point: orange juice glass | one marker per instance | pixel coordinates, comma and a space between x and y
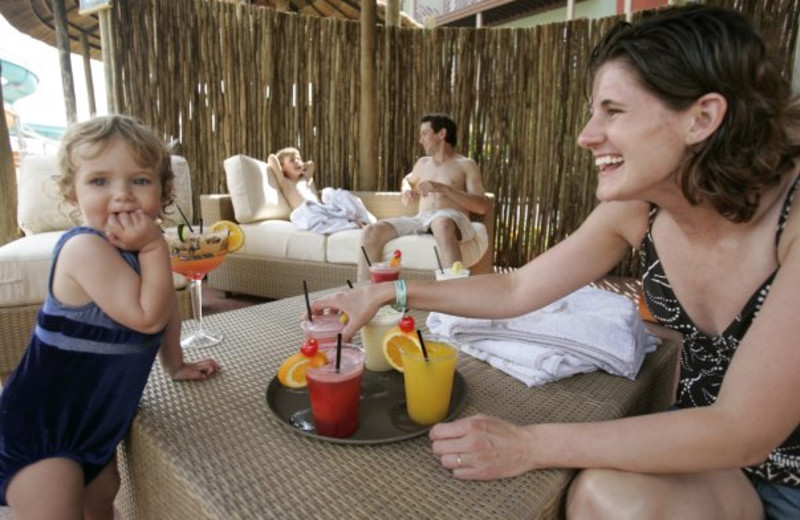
429, 383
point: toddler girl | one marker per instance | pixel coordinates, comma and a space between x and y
110, 307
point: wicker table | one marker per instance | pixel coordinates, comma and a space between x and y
213, 449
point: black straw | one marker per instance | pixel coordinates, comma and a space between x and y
184, 218
201, 227
308, 304
365, 256
350, 284
338, 351
422, 344
436, 252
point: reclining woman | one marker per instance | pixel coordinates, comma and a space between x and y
696, 138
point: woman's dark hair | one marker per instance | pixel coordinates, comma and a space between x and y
439, 121
681, 54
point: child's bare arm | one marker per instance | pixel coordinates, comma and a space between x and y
90, 269
171, 355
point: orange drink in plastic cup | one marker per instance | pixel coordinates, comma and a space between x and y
429, 383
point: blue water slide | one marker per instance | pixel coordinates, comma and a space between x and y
18, 81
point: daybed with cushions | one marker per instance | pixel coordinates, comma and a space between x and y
277, 257
24, 263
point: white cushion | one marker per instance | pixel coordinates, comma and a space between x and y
345, 248
40, 207
280, 239
25, 266
255, 193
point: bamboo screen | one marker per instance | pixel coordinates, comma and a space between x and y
228, 79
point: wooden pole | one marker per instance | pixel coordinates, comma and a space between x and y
393, 13
107, 45
62, 41
570, 10
87, 73
8, 180
368, 108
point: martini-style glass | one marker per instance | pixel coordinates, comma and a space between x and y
193, 255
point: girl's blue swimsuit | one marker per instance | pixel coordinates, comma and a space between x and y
77, 387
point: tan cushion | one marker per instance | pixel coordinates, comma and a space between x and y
255, 193
40, 207
344, 248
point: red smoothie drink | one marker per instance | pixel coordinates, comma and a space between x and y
336, 395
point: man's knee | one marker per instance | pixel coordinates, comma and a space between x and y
445, 228
376, 234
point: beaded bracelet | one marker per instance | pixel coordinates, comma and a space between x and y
400, 295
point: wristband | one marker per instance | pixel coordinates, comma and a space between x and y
400, 295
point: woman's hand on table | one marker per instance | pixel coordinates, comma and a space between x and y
483, 448
197, 370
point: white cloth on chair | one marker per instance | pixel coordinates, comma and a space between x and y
339, 210
586, 330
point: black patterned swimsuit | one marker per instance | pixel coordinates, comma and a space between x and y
705, 359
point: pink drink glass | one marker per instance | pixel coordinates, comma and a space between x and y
383, 272
324, 328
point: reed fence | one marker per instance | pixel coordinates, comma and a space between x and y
227, 79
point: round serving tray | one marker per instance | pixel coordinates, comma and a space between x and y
383, 416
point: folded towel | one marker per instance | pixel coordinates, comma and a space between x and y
586, 330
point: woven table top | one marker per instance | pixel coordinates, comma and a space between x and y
214, 450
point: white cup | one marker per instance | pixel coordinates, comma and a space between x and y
448, 274
372, 337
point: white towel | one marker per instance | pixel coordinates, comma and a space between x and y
586, 330
340, 210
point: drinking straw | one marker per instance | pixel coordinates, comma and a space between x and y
350, 284
201, 228
365, 256
436, 252
422, 344
338, 351
184, 218
308, 303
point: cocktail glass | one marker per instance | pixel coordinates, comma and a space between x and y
193, 255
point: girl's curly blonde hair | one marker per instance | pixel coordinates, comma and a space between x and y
148, 149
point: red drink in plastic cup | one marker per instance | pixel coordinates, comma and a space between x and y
336, 395
324, 328
383, 272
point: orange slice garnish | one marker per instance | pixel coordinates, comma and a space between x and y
292, 372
